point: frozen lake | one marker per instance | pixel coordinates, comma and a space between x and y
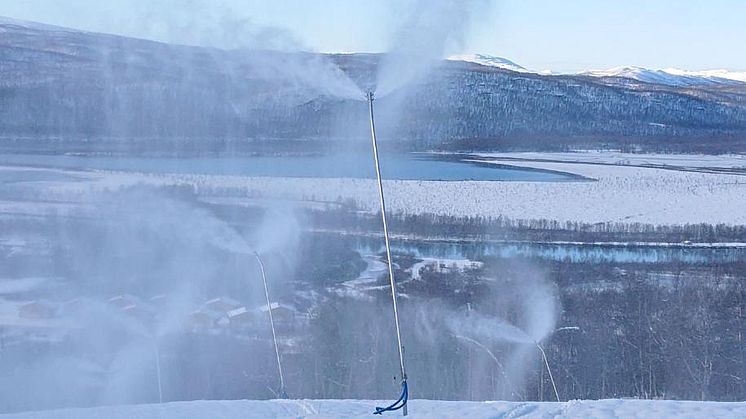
347, 165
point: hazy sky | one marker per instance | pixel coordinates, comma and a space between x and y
561, 35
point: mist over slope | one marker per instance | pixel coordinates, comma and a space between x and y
70, 86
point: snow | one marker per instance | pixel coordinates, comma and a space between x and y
273, 306
681, 161
489, 61
375, 268
719, 74
8, 21
359, 287
417, 409
444, 264
238, 312
678, 189
629, 194
672, 76
669, 76
620, 193
20, 285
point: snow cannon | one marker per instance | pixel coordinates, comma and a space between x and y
401, 403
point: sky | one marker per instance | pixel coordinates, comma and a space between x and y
557, 35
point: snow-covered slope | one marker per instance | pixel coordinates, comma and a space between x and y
672, 76
417, 409
489, 61
710, 74
669, 77
8, 22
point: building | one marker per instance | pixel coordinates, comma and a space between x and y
242, 320
222, 304
204, 320
37, 310
283, 315
134, 307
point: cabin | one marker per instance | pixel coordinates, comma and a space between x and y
140, 312
37, 310
124, 300
73, 307
284, 315
160, 300
222, 304
204, 320
242, 320
134, 307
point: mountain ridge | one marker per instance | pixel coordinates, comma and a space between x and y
672, 76
132, 93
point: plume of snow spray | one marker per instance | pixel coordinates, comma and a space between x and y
138, 268
431, 31
273, 53
487, 328
516, 318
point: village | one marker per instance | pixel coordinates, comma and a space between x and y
44, 322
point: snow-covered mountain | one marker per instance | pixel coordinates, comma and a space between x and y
739, 76
672, 76
489, 61
139, 90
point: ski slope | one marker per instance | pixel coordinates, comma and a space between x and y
417, 408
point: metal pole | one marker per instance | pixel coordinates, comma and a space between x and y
494, 358
386, 240
282, 394
158, 370
549, 370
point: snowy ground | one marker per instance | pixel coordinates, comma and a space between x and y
441, 264
366, 281
377, 269
619, 192
681, 161
417, 408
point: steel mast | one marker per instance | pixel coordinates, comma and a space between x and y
282, 393
403, 372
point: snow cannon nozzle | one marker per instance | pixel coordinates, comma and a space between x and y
370, 96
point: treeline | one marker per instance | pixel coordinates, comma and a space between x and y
632, 330
503, 228
682, 339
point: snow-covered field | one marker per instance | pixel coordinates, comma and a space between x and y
619, 192
417, 409
683, 161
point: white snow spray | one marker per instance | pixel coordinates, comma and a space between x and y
139, 265
273, 53
487, 328
430, 31
504, 330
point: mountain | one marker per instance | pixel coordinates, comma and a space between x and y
720, 75
667, 77
66, 90
672, 76
489, 61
